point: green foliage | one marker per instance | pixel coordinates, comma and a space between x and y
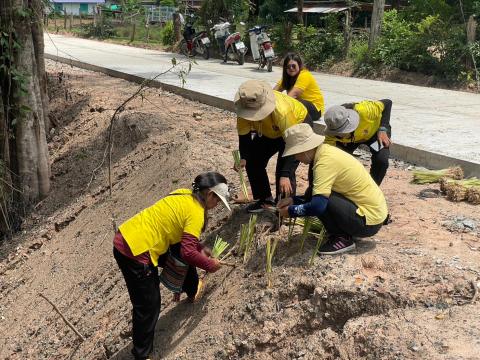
167, 34
430, 46
171, 3
101, 30
318, 47
272, 11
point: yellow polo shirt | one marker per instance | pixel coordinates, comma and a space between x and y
336, 170
310, 89
370, 117
157, 227
288, 112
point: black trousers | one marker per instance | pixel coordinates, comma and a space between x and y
341, 218
144, 291
261, 151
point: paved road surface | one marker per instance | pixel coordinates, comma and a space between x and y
437, 121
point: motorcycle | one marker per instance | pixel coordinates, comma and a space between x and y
261, 46
230, 45
193, 44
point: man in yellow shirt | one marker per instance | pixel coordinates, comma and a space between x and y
366, 122
263, 117
344, 196
300, 84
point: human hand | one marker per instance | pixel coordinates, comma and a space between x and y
285, 186
384, 139
243, 163
284, 212
216, 265
285, 203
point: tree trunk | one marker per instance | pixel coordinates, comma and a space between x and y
23, 114
300, 12
347, 32
377, 19
177, 27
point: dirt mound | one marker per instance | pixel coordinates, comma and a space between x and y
405, 294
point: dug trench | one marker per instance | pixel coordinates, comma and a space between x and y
407, 293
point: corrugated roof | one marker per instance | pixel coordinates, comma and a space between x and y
319, 10
78, 1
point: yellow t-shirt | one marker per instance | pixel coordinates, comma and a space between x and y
288, 112
157, 227
336, 170
311, 91
370, 116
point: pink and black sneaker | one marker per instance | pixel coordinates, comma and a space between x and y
337, 244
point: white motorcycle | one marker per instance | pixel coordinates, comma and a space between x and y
262, 49
230, 45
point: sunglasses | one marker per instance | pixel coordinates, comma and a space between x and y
291, 66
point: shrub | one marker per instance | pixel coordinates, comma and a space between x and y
102, 30
318, 47
167, 34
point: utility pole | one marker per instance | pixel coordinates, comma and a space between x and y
377, 18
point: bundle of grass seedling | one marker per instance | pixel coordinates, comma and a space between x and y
311, 225
247, 235
322, 236
219, 246
243, 184
434, 176
270, 251
458, 190
473, 195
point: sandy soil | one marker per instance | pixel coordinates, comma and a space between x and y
407, 293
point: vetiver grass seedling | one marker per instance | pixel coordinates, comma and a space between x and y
249, 236
243, 184
270, 251
434, 176
219, 247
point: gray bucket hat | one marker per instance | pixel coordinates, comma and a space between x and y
340, 120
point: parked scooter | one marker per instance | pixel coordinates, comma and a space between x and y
193, 44
230, 45
261, 45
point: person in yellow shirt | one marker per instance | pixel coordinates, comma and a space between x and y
366, 122
263, 115
166, 234
300, 84
344, 196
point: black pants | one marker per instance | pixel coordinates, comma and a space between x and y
143, 288
379, 166
341, 218
144, 291
311, 109
261, 151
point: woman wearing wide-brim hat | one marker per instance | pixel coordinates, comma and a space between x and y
344, 196
366, 122
263, 116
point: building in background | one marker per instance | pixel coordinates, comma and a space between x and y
76, 7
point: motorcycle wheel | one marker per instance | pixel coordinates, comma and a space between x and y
206, 52
184, 48
241, 58
269, 65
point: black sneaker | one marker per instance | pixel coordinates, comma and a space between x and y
259, 206
337, 245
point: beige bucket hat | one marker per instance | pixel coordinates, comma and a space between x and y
300, 138
254, 100
340, 120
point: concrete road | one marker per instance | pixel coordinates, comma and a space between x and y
429, 123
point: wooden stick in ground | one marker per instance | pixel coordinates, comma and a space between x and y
63, 317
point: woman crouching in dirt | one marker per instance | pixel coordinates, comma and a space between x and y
166, 234
344, 196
